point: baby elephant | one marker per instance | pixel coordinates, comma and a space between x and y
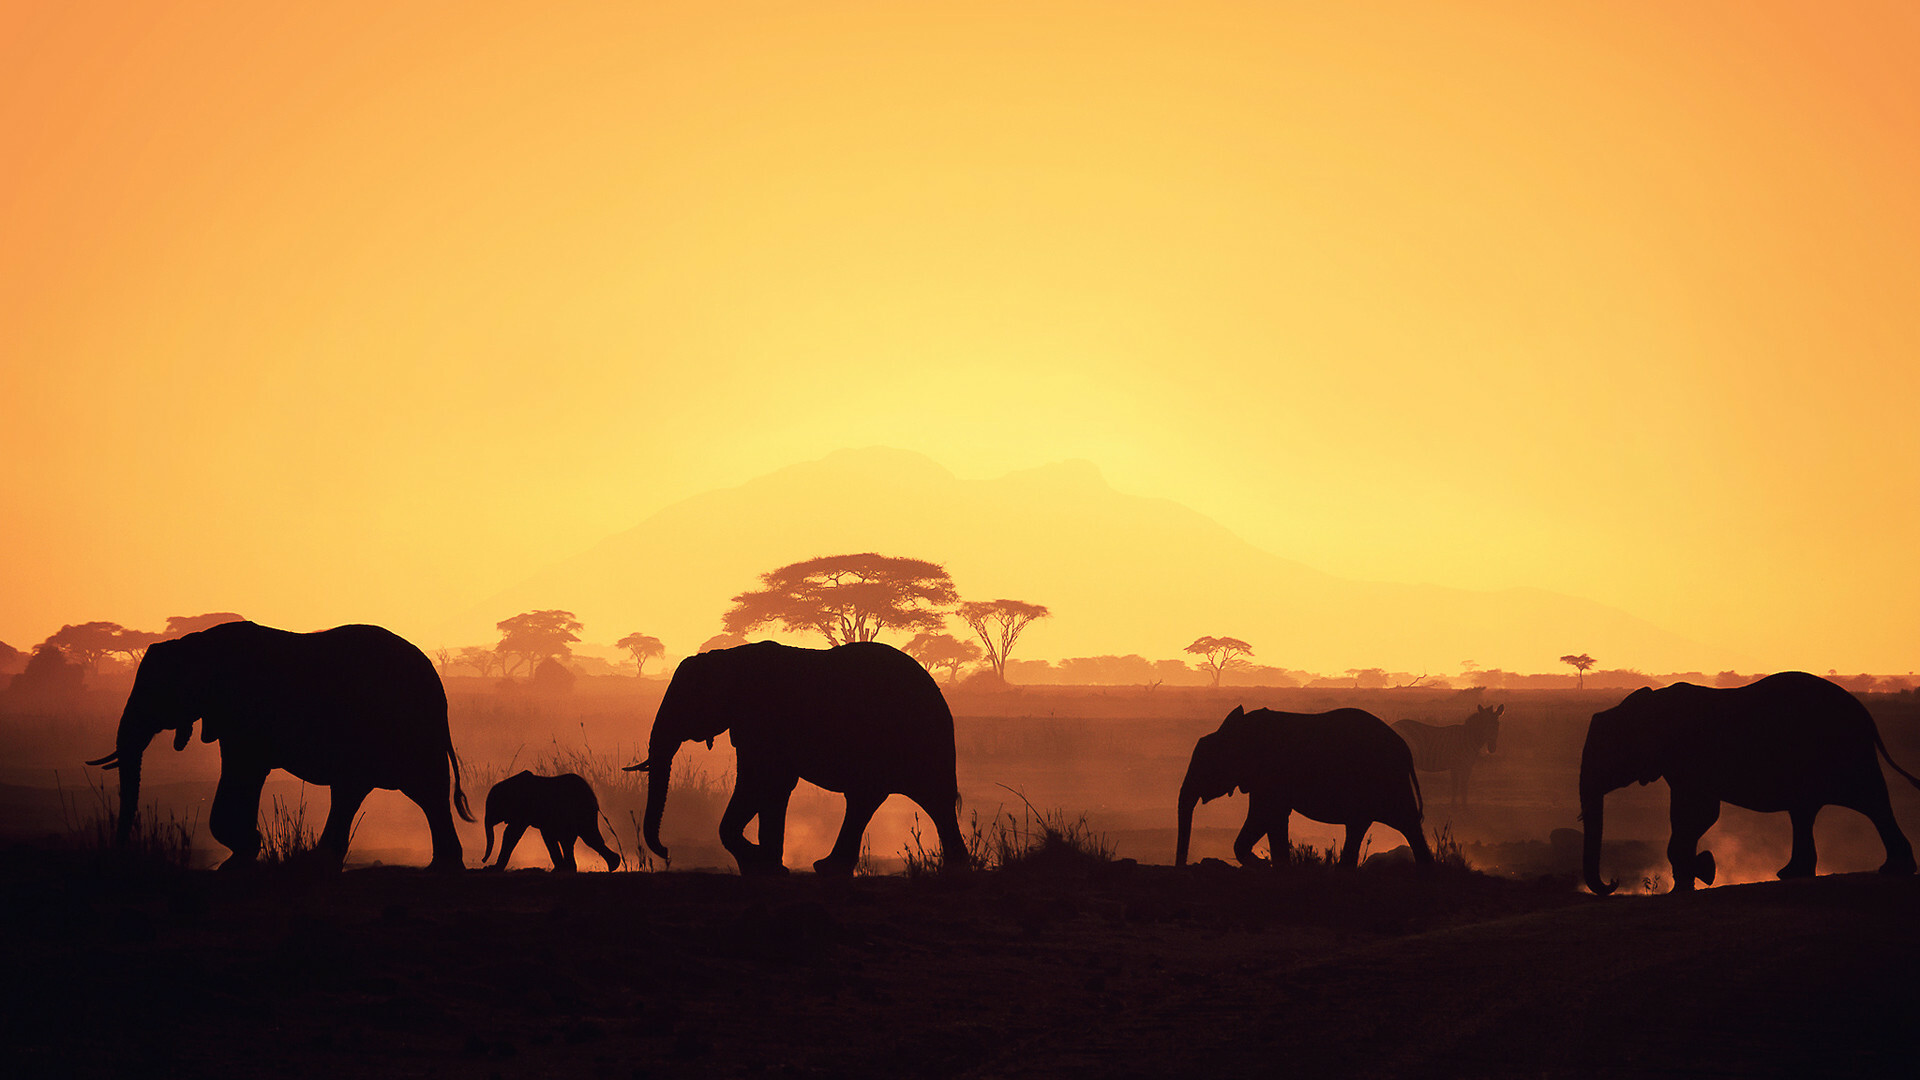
562, 807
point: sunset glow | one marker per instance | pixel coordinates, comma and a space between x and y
370, 312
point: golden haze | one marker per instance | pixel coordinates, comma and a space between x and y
366, 313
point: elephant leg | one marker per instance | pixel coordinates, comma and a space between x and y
235, 818
1690, 817
861, 806
339, 828
1879, 810
768, 802
1350, 849
944, 812
1416, 836
1801, 863
560, 848
593, 839
1260, 814
431, 797
773, 828
515, 830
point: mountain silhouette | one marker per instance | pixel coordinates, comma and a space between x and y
1121, 573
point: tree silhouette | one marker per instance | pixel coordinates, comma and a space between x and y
131, 645
642, 647
10, 658
1580, 664
999, 623
722, 640
1217, 654
479, 659
182, 625
86, 643
1371, 678
846, 598
49, 671
533, 636
942, 651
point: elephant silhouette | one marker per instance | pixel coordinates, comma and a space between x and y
1344, 767
864, 719
1791, 741
562, 807
353, 708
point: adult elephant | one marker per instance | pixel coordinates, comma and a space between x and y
1792, 742
1344, 767
864, 719
562, 807
353, 708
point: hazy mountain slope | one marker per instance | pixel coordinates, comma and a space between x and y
1122, 574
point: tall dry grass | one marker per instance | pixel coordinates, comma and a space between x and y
153, 843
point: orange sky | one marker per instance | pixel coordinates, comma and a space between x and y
366, 312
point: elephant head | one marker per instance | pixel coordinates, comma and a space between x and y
1625, 745
168, 692
1216, 769
697, 707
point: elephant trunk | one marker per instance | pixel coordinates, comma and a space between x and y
659, 766
1593, 819
128, 750
1188, 798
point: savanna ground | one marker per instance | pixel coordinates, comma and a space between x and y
1058, 965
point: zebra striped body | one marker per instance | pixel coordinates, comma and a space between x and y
1453, 748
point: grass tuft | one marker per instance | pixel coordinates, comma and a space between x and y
286, 836
152, 844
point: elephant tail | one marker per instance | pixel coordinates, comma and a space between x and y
1419, 800
1911, 779
459, 796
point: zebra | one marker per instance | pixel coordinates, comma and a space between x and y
1453, 748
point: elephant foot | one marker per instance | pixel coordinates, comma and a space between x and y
1898, 865
832, 867
762, 868
1704, 867
495, 868
1791, 871
239, 864
451, 866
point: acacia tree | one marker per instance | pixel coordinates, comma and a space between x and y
999, 623
942, 651
479, 659
86, 643
846, 598
533, 636
642, 647
722, 640
1580, 665
131, 645
182, 625
1219, 654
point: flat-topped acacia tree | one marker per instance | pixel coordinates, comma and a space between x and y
847, 598
1219, 654
999, 623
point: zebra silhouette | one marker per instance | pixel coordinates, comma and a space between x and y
1453, 748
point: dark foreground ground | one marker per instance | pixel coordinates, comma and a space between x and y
1073, 970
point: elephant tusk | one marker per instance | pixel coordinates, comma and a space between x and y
111, 761
635, 768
